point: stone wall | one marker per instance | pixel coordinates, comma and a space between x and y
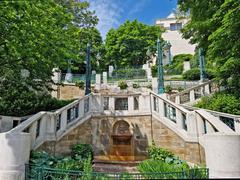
99, 131
70, 91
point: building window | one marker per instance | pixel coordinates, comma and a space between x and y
58, 123
155, 104
121, 103
86, 105
106, 103
175, 26
184, 121
38, 128
136, 103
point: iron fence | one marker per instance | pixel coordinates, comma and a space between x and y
44, 173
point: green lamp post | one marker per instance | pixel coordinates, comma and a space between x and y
202, 64
160, 68
88, 71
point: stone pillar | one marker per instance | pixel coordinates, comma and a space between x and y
110, 70
222, 155
130, 103
98, 82
179, 119
14, 154
200, 125
207, 89
155, 85
237, 124
177, 99
104, 78
111, 104
186, 66
191, 124
192, 95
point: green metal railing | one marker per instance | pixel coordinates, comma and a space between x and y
43, 173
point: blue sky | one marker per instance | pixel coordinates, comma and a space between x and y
112, 13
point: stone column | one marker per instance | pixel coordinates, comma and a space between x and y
104, 78
155, 85
110, 70
179, 119
98, 82
178, 99
192, 95
14, 154
191, 124
222, 155
207, 89
130, 104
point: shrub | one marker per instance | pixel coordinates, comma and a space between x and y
80, 84
82, 151
135, 85
157, 153
192, 74
168, 89
180, 89
223, 102
122, 84
149, 86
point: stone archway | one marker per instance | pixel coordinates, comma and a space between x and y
122, 143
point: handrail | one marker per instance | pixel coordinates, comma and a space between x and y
192, 88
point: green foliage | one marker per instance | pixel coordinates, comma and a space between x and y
157, 153
80, 84
223, 102
214, 26
37, 37
154, 166
135, 86
154, 71
168, 89
127, 45
21, 102
122, 84
180, 89
82, 151
80, 160
192, 74
149, 86
129, 73
177, 65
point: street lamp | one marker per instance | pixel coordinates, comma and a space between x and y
160, 68
202, 65
88, 71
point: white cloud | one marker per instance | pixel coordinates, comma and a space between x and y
138, 7
109, 13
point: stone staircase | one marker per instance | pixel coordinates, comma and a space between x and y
115, 166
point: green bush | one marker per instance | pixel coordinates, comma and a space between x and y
122, 84
135, 85
177, 65
80, 84
157, 153
82, 151
223, 102
192, 74
168, 89
180, 89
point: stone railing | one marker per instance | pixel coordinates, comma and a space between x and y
192, 94
47, 126
189, 125
232, 121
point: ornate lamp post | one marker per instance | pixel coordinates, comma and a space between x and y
202, 65
88, 71
160, 68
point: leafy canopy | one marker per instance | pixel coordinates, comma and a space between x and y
127, 45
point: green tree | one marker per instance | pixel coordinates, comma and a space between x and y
36, 36
127, 45
214, 25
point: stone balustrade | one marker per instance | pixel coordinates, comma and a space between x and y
191, 125
192, 94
